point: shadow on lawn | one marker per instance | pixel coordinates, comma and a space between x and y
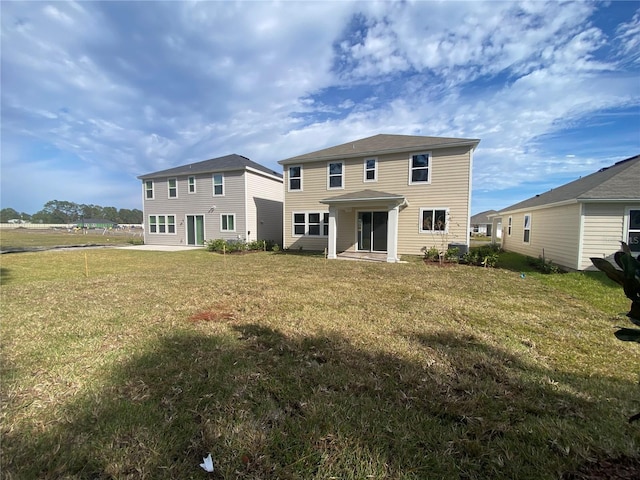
269, 406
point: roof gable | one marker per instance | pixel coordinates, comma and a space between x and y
620, 181
379, 144
220, 164
482, 217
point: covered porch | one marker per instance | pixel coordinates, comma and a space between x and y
364, 222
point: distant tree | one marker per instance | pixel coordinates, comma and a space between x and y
61, 211
92, 211
7, 214
110, 213
129, 216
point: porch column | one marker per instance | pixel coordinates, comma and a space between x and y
331, 251
392, 235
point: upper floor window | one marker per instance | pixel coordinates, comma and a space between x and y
633, 235
419, 169
148, 189
295, 178
370, 170
173, 187
433, 220
335, 172
191, 182
527, 228
218, 184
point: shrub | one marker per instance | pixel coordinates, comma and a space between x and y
543, 265
484, 256
432, 253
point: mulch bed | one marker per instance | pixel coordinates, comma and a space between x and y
622, 468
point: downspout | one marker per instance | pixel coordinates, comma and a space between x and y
580, 237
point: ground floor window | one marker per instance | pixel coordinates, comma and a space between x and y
434, 220
228, 222
633, 235
527, 228
315, 224
162, 224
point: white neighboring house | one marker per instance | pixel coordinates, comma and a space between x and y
586, 218
482, 224
230, 198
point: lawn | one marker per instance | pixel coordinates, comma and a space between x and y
134, 364
21, 239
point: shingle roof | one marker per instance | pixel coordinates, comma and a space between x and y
482, 217
620, 181
362, 196
220, 164
381, 143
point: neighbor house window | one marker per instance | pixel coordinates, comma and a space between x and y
314, 224
509, 226
173, 187
218, 184
419, 168
148, 189
228, 222
335, 172
295, 178
191, 182
370, 170
162, 224
527, 228
433, 220
633, 236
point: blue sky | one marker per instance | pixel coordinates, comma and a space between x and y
96, 93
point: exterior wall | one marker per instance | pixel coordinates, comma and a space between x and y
202, 202
265, 197
450, 171
555, 232
604, 227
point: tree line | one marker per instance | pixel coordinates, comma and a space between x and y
56, 211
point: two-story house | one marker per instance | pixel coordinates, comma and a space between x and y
392, 194
229, 197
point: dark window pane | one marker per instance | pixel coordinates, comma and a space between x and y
294, 172
314, 218
634, 219
298, 218
526, 236
419, 176
314, 229
325, 230
371, 175
427, 220
335, 182
634, 241
298, 229
294, 184
172, 229
335, 168
441, 220
420, 161
371, 164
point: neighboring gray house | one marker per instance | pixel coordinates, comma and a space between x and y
229, 197
481, 224
588, 217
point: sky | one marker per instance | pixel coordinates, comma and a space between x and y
94, 94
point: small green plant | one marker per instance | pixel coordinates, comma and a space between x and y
484, 256
628, 276
543, 265
431, 254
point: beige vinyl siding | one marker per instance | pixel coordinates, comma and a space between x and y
603, 230
449, 188
265, 197
555, 233
199, 203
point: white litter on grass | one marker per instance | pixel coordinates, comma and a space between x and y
208, 463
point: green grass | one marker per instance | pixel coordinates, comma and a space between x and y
19, 239
293, 367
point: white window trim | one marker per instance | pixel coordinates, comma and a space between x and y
189, 184
365, 170
525, 228
429, 168
169, 187
289, 178
166, 224
342, 176
627, 224
234, 222
509, 225
434, 232
213, 180
306, 214
153, 190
